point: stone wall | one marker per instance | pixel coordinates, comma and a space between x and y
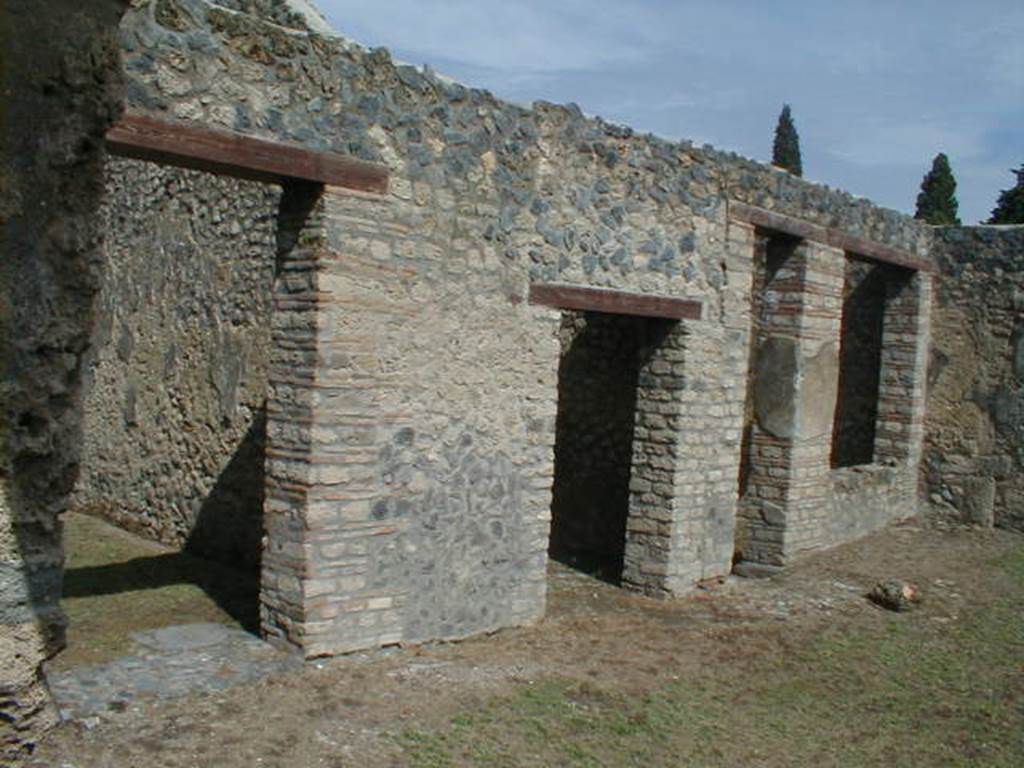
190, 60
175, 388
866, 497
412, 407
410, 435
792, 500
58, 99
974, 454
412, 389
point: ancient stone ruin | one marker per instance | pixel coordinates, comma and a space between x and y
277, 298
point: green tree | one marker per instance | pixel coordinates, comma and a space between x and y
1010, 205
936, 202
786, 149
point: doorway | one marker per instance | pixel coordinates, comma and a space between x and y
597, 441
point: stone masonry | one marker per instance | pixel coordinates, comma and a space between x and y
792, 498
974, 451
58, 100
176, 385
598, 375
412, 388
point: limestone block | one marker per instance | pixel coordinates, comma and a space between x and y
976, 500
775, 385
819, 389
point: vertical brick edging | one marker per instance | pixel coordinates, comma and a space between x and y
290, 407
651, 522
788, 462
906, 332
681, 528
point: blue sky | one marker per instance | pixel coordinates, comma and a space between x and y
876, 88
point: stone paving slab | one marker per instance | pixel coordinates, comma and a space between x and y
169, 663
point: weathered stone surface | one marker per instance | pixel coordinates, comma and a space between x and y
974, 455
412, 390
820, 384
60, 91
597, 414
168, 663
175, 386
976, 500
791, 499
775, 385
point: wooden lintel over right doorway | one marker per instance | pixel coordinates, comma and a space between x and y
613, 302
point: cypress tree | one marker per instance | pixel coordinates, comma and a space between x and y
936, 202
1010, 205
786, 149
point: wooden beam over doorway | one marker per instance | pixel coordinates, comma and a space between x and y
235, 154
852, 244
613, 302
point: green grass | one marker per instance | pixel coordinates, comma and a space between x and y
116, 584
903, 691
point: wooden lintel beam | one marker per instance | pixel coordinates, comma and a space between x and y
235, 154
790, 225
613, 302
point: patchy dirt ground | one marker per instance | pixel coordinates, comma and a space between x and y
382, 708
116, 583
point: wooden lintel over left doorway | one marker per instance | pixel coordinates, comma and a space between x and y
230, 153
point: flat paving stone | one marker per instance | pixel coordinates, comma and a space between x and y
185, 637
169, 663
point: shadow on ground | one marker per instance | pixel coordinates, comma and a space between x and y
599, 565
116, 584
236, 592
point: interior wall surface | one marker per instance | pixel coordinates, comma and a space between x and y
974, 450
860, 361
427, 450
597, 414
176, 384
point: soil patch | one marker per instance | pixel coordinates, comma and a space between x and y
798, 669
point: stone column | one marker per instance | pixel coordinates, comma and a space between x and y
61, 90
795, 386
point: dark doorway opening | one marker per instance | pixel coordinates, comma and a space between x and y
602, 357
867, 287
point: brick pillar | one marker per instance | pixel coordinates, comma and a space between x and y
290, 406
650, 525
686, 449
322, 434
899, 428
349, 604
794, 394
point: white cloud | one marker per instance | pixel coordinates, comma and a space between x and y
513, 37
